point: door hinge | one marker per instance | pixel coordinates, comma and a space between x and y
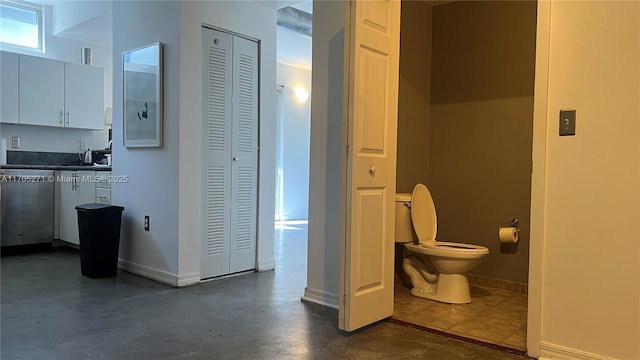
344, 299
347, 148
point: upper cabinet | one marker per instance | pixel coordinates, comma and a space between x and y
84, 96
41, 91
8, 87
55, 93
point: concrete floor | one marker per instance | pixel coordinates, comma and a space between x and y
50, 311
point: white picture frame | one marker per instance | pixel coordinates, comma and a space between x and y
142, 96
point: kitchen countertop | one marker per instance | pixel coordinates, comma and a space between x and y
58, 167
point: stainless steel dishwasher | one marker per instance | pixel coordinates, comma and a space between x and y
26, 207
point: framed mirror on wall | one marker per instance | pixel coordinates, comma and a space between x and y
142, 96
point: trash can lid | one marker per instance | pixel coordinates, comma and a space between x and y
99, 207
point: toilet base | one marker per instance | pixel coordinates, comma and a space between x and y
450, 288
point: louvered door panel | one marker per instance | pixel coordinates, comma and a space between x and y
217, 110
245, 155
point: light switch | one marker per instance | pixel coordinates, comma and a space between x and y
15, 142
567, 124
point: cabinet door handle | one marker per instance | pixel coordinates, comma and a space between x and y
60, 116
67, 123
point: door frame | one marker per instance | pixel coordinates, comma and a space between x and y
203, 150
538, 177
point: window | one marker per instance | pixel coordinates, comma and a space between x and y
21, 24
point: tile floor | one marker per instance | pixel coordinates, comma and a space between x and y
494, 316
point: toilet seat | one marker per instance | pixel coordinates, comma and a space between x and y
423, 214
443, 245
449, 250
425, 223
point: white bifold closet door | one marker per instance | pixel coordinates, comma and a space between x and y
230, 109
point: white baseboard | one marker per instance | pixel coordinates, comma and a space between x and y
188, 279
159, 275
266, 265
550, 351
321, 297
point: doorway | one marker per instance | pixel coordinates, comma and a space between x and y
293, 115
465, 130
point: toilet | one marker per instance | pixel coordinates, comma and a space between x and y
436, 268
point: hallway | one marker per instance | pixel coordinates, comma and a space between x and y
50, 311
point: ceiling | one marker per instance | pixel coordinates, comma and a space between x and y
92, 21
294, 48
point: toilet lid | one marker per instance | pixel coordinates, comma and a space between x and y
423, 214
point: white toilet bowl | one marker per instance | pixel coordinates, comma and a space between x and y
451, 260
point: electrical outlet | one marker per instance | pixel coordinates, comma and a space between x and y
83, 145
15, 142
146, 222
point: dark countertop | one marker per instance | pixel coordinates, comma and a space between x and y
58, 167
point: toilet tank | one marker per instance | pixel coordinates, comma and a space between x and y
404, 230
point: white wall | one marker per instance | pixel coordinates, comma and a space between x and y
52, 139
256, 21
325, 174
153, 173
165, 183
69, 13
297, 120
37, 138
590, 268
293, 48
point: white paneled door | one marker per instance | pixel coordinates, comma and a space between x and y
373, 33
230, 108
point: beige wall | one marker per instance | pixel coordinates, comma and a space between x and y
481, 127
413, 95
591, 249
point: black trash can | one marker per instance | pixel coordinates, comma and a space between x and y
99, 233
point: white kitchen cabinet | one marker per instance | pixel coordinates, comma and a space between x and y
76, 188
8, 87
55, 93
41, 91
103, 187
84, 96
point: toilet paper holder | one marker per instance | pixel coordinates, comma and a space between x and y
513, 223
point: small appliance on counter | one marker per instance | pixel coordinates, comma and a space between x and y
100, 157
88, 157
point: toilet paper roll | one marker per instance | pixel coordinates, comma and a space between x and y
508, 235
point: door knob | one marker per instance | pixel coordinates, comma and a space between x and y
235, 158
372, 170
